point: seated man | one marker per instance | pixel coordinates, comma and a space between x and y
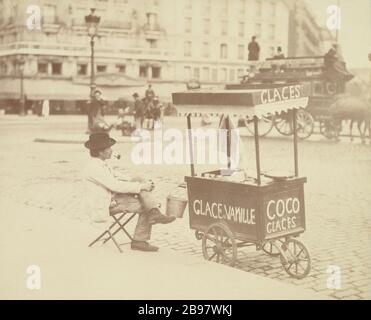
106, 193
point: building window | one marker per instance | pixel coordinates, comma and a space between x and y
196, 73
205, 74
241, 52
3, 68
56, 68
42, 68
143, 71
223, 51
121, 68
206, 26
207, 6
273, 9
242, 7
223, 74
241, 29
206, 50
152, 21
240, 73
214, 75
156, 72
101, 68
258, 30
82, 69
49, 13
224, 29
188, 49
152, 43
225, 6
188, 25
258, 10
188, 4
272, 52
231, 75
272, 31
187, 73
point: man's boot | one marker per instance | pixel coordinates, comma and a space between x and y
155, 216
143, 246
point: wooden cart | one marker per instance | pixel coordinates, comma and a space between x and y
267, 214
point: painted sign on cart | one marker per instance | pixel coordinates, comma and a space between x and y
284, 212
237, 210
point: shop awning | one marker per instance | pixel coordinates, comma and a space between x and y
249, 103
60, 89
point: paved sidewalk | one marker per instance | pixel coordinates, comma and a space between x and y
71, 270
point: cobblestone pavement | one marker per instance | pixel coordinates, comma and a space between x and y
337, 195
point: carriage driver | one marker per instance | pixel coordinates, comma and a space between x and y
108, 192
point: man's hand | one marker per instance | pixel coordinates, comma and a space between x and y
148, 186
138, 179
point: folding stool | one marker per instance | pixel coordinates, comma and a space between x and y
117, 217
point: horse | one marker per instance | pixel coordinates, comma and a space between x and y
355, 109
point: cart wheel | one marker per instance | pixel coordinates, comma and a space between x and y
219, 244
270, 249
296, 261
265, 125
198, 235
283, 124
305, 123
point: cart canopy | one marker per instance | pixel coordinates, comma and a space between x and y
247, 103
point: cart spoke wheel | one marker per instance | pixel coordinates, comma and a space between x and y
265, 125
219, 244
305, 124
296, 255
283, 124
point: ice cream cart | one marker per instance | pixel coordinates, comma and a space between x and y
267, 210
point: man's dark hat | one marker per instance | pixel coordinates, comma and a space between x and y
99, 141
97, 91
135, 95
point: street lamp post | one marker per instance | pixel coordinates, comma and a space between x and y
21, 64
92, 22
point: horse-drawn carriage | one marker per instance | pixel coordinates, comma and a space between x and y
326, 83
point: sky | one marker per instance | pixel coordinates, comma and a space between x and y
355, 29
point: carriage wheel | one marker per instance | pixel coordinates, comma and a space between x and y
265, 125
330, 129
305, 124
198, 235
270, 249
219, 244
283, 124
297, 260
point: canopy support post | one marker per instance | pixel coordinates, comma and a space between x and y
189, 126
228, 143
257, 151
294, 121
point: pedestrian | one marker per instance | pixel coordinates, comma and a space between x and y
149, 94
107, 193
254, 50
157, 113
279, 54
139, 111
45, 110
150, 115
97, 115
